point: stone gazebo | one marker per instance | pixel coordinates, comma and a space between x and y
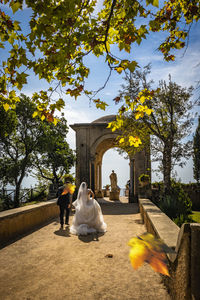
92, 141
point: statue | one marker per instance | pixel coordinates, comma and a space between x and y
113, 180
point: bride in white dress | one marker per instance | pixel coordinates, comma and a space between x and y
88, 217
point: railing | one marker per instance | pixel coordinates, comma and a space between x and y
26, 195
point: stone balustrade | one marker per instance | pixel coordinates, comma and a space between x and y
17, 221
184, 243
184, 257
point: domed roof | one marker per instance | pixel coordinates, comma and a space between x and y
105, 119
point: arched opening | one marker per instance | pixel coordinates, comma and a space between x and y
116, 162
92, 141
112, 160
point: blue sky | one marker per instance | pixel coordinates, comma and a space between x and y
185, 71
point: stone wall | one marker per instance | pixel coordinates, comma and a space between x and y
184, 258
20, 220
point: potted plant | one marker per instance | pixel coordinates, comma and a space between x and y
107, 190
144, 179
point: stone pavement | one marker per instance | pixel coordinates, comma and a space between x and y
52, 264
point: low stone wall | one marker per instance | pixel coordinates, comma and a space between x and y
184, 257
20, 220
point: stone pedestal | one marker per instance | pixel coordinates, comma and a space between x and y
99, 194
126, 192
114, 195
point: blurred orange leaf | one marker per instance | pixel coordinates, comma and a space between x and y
69, 188
147, 248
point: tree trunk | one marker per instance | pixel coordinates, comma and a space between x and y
167, 166
18, 182
17, 194
55, 177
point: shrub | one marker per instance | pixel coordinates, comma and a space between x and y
6, 202
177, 204
39, 195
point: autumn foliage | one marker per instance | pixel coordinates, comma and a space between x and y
147, 248
69, 188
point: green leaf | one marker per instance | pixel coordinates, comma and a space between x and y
15, 6
156, 3
132, 66
153, 2
16, 25
100, 104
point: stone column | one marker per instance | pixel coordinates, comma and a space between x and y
97, 177
140, 168
99, 193
132, 183
92, 176
100, 178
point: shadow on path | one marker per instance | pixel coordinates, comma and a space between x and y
63, 232
90, 237
119, 208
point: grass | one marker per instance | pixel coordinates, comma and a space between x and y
195, 216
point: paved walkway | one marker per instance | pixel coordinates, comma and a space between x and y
51, 264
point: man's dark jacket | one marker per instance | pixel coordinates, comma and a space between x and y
63, 200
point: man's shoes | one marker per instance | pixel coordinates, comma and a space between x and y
67, 224
61, 226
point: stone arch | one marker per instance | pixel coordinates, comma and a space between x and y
92, 141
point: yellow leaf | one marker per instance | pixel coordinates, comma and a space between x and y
139, 115
42, 117
147, 248
55, 121
34, 114
149, 111
138, 254
113, 129
121, 140
134, 141
137, 143
6, 106
132, 104
119, 69
142, 99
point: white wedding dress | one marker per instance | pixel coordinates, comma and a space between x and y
88, 217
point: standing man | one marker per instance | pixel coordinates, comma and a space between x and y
64, 202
